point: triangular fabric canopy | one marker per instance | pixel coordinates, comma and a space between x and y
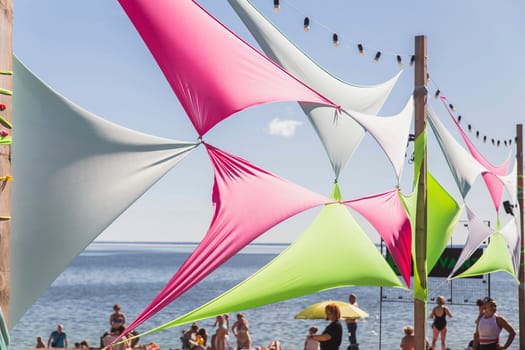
443, 213
340, 137
478, 231
318, 260
495, 258
511, 234
490, 179
183, 38
462, 165
394, 228
248, 201
390, 133
75, 173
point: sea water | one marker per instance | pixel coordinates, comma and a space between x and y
131, 274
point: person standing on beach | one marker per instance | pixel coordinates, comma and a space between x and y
240, 331
331, 337
117, 319
351, 325
58, 338
439, 327
489, 327
221, 322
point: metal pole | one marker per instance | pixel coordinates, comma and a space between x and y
521, 270
420, 110
6, 83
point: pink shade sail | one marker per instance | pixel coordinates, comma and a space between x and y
213, 72
248, 201
394, 228
494, 185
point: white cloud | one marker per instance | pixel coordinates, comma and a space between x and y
285, 128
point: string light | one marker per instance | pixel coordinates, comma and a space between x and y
276, 6
436, 95
335, 39
469, 127
399, 61
306, 24
459, 119
361, 49
484, 138
477, 136
412, 60
451, 107
378, 55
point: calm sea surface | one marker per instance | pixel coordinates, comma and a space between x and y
131, 274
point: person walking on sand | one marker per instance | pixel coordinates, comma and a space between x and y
489, 328
351, 325
439, 327
58, 338
240, 330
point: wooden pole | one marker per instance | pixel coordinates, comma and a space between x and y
521, 273
6, 83
420, 105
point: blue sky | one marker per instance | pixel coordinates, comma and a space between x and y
91, 53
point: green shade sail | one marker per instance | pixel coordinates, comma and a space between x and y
317, 261
495, 258
443, 213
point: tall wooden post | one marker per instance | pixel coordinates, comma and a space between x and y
420, 105
6, 84
521, 270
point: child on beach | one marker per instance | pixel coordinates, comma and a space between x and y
40, 343
309, 343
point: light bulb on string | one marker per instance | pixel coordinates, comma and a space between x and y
377, 56
505, 143
469, 127
335, 39
459, 118
399, 61
306, 24
412, 60
493, 142
477, 134
498, 143
361, 49
436, 95
451, 107
484, 138
276, 6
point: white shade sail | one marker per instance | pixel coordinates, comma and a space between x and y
390, 132
75, 173
463, 166
339, 138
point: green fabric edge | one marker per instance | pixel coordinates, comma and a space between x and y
495, 258
311, 264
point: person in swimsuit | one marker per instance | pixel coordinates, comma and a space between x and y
117, 319
488, 329
240, 331
221, 322
439, 327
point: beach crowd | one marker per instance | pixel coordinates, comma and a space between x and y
486, 335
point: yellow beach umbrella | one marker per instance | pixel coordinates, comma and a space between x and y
316, 311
